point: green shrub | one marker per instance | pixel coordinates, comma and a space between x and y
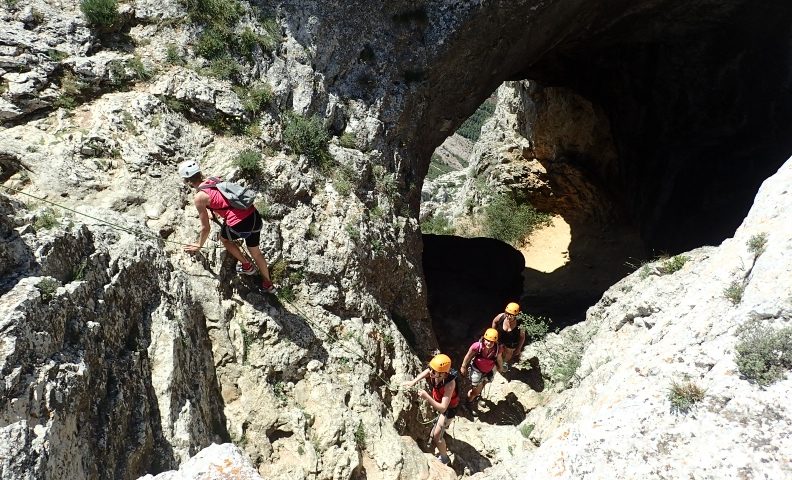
348, 140
57, 55
254, 98
213, 42
353, 231
272, 35
437, 225
763, 353
247, 342
757, 244
360, 436
278, 271
248, 162
224, 67
471, 128
343, 180
511, 222
139, 70
674, 264
384, 182
253, 130
526, 429
70, 88
279, 390
173, 55
36, 16
734, 292
47, 288
566, 367
684, 395
100, 13
535, 327
307, 136
263, 208
248, 40
79, 271
46, 220
219, 12
286, 293
174, 104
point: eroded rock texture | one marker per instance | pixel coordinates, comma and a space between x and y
112, 377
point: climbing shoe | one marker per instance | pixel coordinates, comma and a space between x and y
268, 287
245, 268
444, 459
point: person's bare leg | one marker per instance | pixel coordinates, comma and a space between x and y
258, 257
475, 391
234, 250
507, 354
437, 435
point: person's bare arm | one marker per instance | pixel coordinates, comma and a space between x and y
417, 379
201, 201
496, 320
468, 357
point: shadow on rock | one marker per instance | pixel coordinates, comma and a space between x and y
466, 457
531, 375
299, 329
508, 411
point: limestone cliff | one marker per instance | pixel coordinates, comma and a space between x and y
122, 356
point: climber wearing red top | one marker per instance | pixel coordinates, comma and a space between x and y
444, 398
237, 223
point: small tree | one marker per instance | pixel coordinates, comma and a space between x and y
248, 162
764, 353
100, 13
511, 222
307, 136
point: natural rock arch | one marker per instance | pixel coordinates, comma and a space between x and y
694, 93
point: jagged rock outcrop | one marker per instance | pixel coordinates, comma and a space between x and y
215, 462
103, 356
97, 120
655, 328
538, 145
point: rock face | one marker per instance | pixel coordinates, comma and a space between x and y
550, 148
103, 357
215, 462
653, 329
112, 370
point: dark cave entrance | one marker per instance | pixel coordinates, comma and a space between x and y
468, 281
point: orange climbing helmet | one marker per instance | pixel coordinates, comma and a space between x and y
512, 308
441, 363
491, 334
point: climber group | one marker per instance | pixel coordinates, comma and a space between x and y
241, 220
501, 343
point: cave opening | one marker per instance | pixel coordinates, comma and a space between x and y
639, 138
542, 149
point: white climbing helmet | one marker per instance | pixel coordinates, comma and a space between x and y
188, 168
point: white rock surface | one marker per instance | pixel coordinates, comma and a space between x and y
215, 462
646, 333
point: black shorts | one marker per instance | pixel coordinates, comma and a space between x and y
450, 413
511, 346
249, 229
